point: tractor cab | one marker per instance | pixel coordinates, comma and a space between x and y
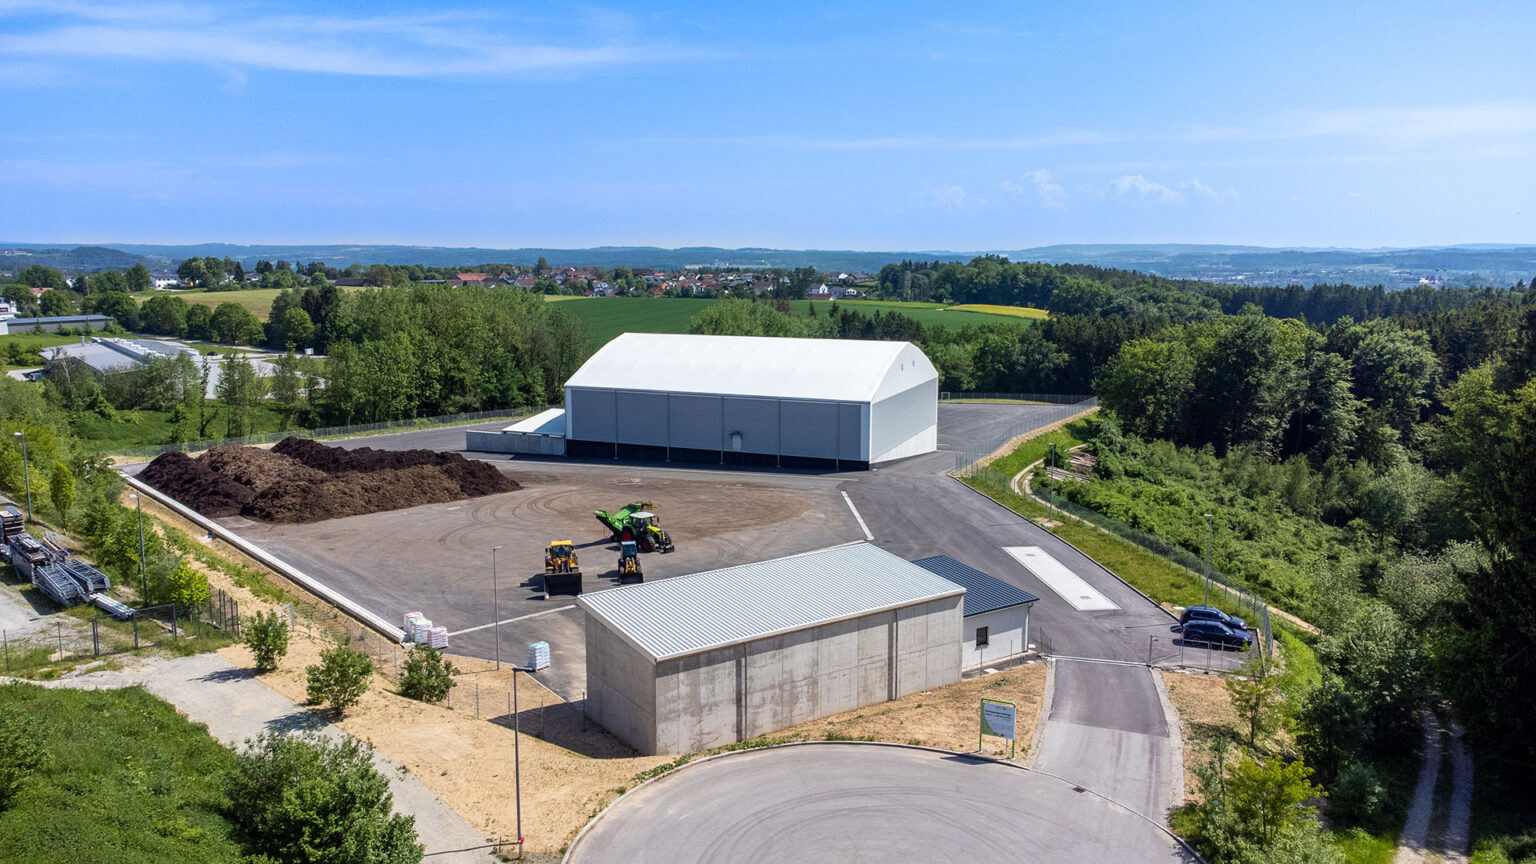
643, 520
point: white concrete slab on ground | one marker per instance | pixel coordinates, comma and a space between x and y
1055, 575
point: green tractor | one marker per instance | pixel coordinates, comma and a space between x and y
635, 522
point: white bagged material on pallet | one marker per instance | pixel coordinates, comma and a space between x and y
410, 625
421, 630
438, 637
538, 655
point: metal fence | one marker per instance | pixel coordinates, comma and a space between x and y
1049, 398
152, 451
971, 463
539, 711
63, 638
156, 625
1226, 592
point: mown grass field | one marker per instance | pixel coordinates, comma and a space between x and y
607, 317
129, 781
258, 301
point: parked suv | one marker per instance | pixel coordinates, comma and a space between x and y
1198, 632
1211, 613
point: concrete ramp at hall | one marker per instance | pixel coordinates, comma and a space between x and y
1056, 576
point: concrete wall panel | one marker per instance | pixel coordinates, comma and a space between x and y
642, 418
808, 428
756, 420
592, 414
853, 431
1005, 636
695, 421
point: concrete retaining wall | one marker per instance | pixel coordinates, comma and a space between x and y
514, 442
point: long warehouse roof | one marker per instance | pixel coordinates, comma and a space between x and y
719, 608
848, 370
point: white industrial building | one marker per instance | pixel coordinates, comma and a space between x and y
697, 661
842, 404
995, 615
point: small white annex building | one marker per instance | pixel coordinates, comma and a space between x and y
684, 664
995, 615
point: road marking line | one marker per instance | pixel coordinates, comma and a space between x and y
510, 620
1056, 576
867, 535
1098, 660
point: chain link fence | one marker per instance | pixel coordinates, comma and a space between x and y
219, 615
1226, 592
353, 430
1046, 398
978, 465
539, 712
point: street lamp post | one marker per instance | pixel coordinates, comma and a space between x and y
26, 471
143, 580
496, 611
517, 777
1207, 559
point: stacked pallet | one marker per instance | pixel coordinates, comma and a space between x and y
437, 637
538, 656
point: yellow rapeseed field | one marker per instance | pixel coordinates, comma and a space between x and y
990, 309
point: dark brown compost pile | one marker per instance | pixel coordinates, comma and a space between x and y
303, 481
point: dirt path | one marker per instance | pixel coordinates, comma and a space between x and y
1416, 846
235, 706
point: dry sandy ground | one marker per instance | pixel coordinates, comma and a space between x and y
1205, 710
947, 717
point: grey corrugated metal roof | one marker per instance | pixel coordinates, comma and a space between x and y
689, 614
983, 593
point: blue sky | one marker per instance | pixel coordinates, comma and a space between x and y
814, 125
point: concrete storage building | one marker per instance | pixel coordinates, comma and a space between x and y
696, 661
743, 400
995, 614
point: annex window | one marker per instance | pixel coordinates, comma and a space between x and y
981, 637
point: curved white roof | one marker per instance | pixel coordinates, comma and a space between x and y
844, 370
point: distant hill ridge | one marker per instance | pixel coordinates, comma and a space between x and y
1484, 264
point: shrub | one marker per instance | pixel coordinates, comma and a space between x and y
341, 678
428, 676
310, 798
21, 754
267, 637
1358, 795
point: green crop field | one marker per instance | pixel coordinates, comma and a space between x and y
258, 301
607, 317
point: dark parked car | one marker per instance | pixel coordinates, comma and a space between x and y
1215, 633
1211, 613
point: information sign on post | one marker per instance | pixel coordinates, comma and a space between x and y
998, 718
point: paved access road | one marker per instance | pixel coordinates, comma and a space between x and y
847, 803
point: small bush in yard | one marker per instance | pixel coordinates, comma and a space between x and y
310, 799
428, 676
267, 637
340, 679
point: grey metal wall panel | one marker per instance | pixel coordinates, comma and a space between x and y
808, 428
695, 421
756, 420
899, 417
852, 439
642, 418
593, 414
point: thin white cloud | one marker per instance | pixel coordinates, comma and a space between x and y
1038, 184
386, 45
1136, 188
